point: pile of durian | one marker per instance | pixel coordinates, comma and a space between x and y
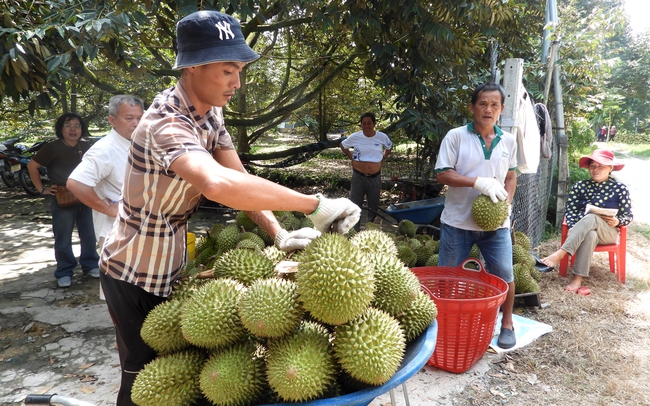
250, 325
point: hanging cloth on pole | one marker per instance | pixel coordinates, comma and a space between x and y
528, 139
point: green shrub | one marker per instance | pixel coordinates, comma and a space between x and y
631, 138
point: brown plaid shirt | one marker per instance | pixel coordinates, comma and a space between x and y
147, 244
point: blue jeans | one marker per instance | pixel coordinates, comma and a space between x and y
495, 246
63, 223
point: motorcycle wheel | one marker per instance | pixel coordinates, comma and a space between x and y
26, 182
8, 178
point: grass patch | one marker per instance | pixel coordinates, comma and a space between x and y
643, 229
641, 151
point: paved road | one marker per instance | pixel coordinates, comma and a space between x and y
635, 175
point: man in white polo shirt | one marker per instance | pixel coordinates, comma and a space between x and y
475, 159
97, 180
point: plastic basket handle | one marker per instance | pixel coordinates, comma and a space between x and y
476, 261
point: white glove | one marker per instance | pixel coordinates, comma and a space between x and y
295, 240
342, 211
491, 188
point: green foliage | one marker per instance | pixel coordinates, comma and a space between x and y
633, 138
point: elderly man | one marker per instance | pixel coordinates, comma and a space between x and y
479, 158
181, 151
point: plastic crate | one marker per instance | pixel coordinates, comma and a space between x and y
419, 211
468, 302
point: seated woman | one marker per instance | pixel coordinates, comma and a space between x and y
588, 230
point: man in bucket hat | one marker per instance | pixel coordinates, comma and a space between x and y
180, 152
588, 229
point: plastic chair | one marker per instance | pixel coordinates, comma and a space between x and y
616, 251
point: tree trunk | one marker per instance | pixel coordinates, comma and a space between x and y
242, 135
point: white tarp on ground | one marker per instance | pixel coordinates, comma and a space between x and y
526, 331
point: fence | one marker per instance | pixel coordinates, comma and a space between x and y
532, 197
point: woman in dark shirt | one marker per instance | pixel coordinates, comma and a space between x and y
60, 157
587, 229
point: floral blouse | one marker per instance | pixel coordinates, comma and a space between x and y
610, 194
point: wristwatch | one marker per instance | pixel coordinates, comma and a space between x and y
43, 190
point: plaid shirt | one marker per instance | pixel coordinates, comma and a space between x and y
147, 244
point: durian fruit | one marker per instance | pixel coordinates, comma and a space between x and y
421, 312
406, 227
432, 261
244, 265
535, 273
209, 317
161, 329
475, 252
374, 241
270, 307
206, 242
522, 240
191, 268
182, 290
300, 366
305, 222
423, 254
288, 220
335, 280
215, 230
395, 285
233, 376
406, 255
264, 235
371, 347
252, 237
243, 221
274, 254
207, 256
487, 214
248, 244
524, 283
171, 380
228, 237
371, 226
519, 255
415, 244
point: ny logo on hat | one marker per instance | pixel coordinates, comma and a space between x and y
224, 28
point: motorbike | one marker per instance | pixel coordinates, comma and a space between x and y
18, 164
8, 148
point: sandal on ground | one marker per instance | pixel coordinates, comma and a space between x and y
584, 291
506, 338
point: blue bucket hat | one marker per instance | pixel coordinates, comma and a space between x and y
210, 36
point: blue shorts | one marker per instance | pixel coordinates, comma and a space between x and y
495, 246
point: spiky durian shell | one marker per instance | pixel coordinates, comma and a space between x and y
487, 214
228, 238
243, 221
395, 285
233, 376
374, 241
270, 307
370, 347
244, 265
522, 240
406, 227
335, 280
171, 380
161, 329
209, 317
300, 366
252, 237
421, 312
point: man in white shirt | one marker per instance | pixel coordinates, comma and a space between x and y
370, 149
97, 180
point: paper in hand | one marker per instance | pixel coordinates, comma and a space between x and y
590, 208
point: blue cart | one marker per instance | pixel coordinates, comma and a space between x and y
423, 213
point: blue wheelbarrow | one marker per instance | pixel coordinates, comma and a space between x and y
423, 213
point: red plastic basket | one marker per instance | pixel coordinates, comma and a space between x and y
468, 302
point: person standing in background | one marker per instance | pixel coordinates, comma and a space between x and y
370, 149
97, 180
612, 133
60, 157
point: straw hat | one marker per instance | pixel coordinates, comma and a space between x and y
603, 157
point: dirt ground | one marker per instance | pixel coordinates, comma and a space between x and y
597, 354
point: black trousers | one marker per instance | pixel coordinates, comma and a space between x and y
128, 306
